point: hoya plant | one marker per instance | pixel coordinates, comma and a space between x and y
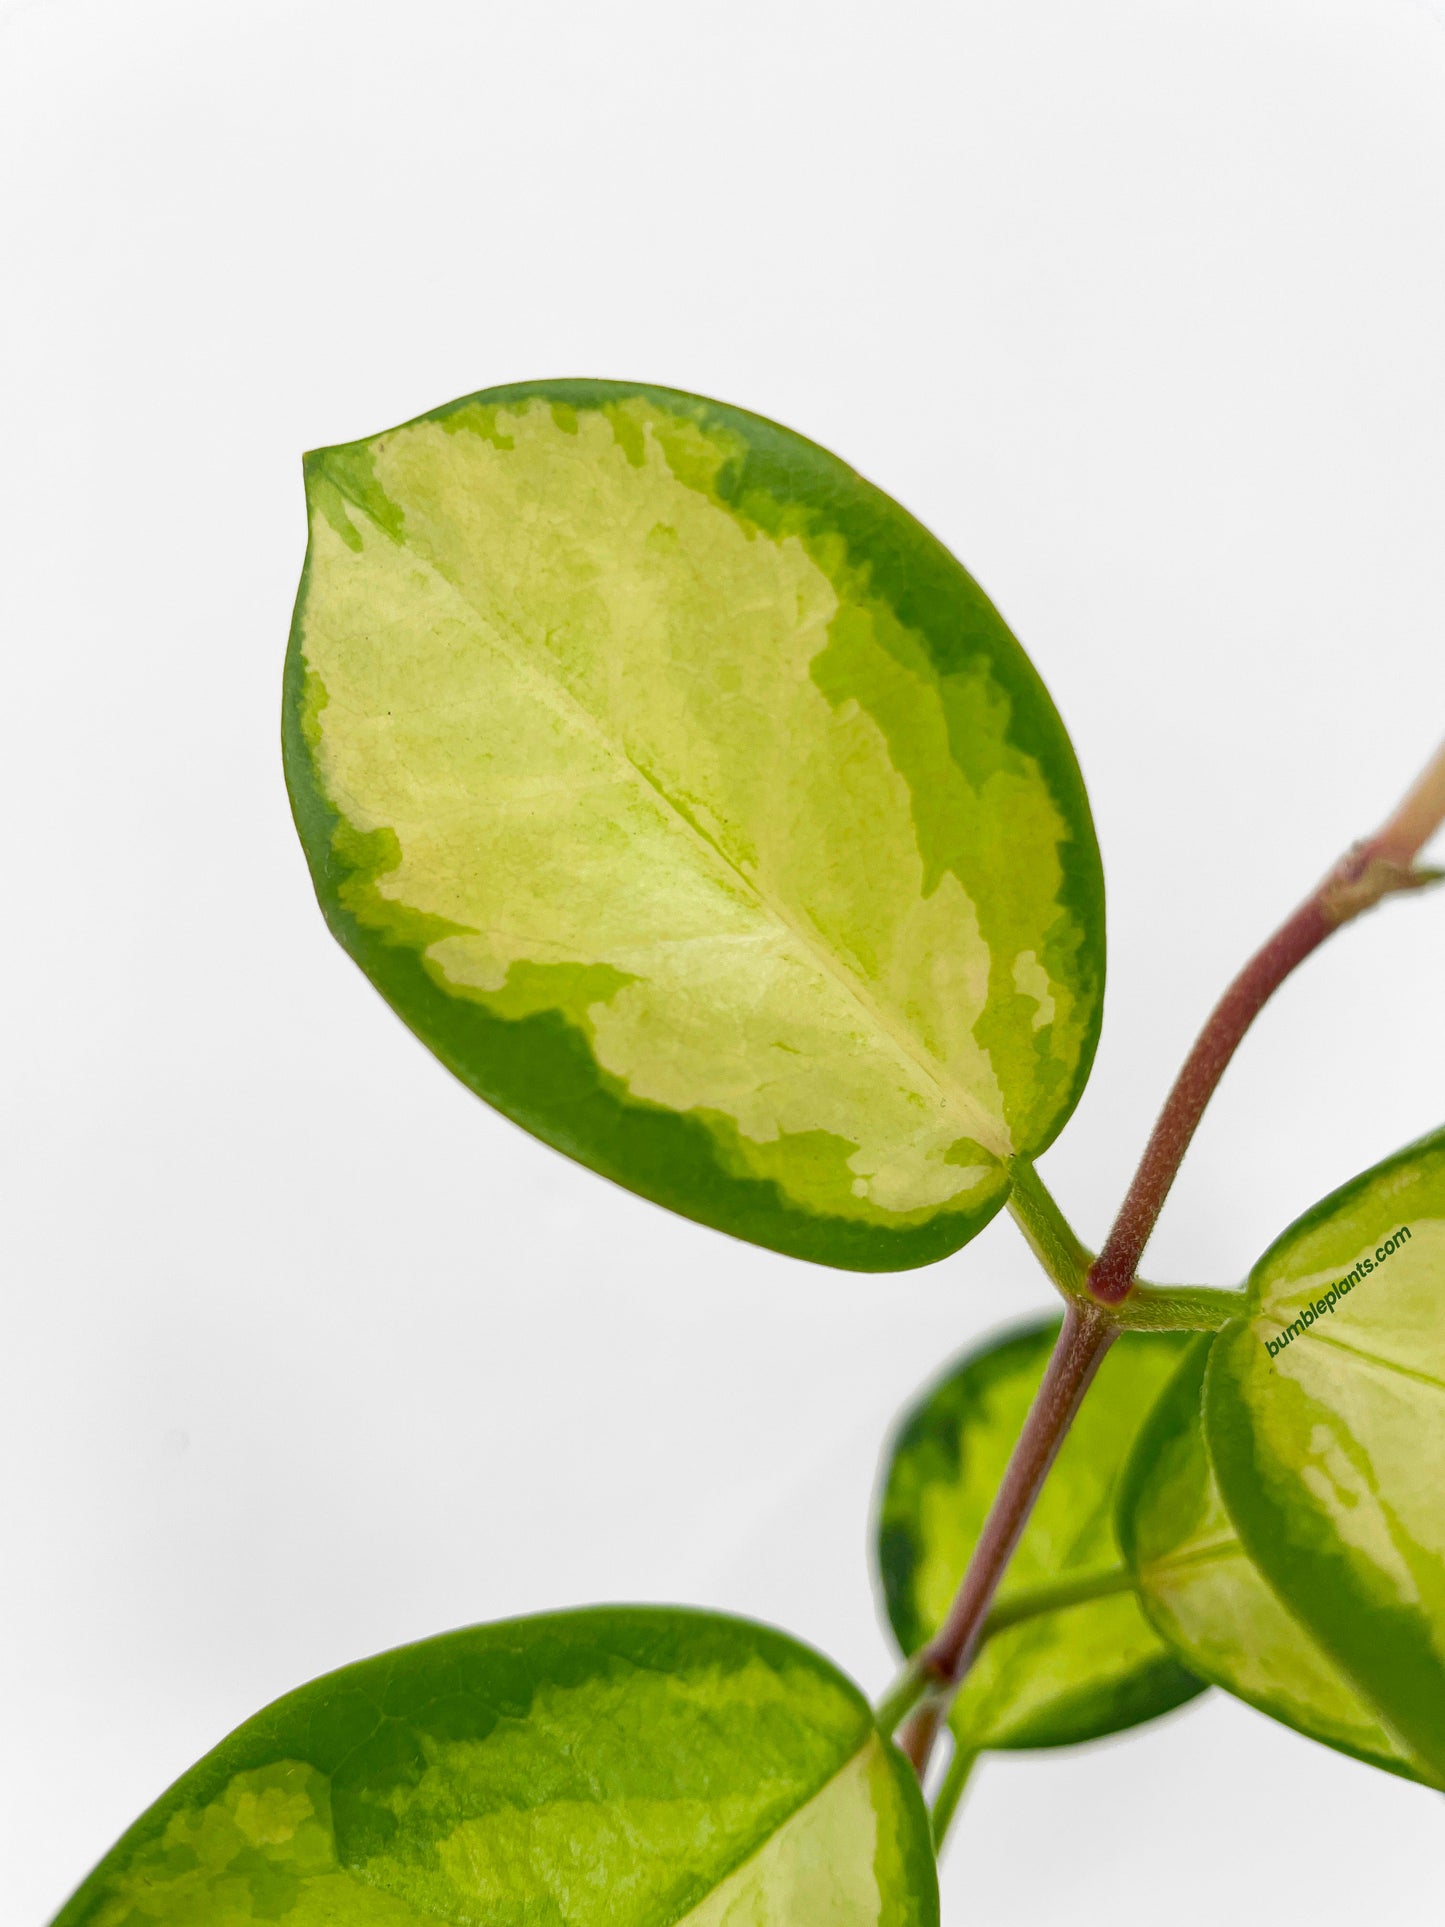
697, 810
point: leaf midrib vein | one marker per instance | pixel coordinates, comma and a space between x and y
1208, 1554
513, 644
789, 1819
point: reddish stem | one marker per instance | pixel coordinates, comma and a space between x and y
1086, 1336
1371, 870
1112, 1274
1374, 868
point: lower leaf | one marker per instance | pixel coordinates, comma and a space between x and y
607, 1768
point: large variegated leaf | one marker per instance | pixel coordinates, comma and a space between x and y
698, 810
615, 1768
1208, 1600
1325, 1415
1070, 1655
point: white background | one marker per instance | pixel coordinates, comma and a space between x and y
1141, 306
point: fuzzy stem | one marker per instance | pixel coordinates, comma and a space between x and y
1051, 1237
1189, 1308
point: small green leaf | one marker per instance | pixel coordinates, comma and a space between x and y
1072, 1656
623, 1767
1208, 1600
697, 809
1325, 1415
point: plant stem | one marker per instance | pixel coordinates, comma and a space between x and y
917, 1740
1189, 1308
915, 1683
1058, 1597
945, 1804
1380, 865
1086, 1335
1095, 1314
1050, 1235
1066, 1259
1417, 818
900, 1699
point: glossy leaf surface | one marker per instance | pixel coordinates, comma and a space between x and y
1073, 1656
615, 1768
1325, 1415
698, 810
1208, 1600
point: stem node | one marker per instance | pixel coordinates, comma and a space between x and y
1093, 1291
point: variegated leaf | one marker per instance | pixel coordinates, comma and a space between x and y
1208, 1600
698, 810
615, 1768
1325, 1415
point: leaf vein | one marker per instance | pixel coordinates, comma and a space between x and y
1373, 1358
554, 695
